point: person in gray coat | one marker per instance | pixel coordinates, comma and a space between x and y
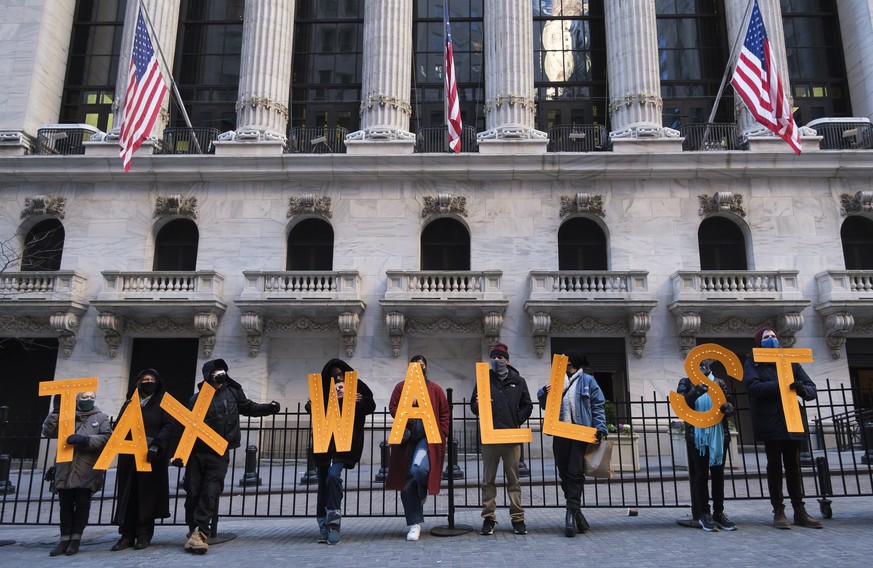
76, 480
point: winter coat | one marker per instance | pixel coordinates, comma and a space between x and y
80, 473
768, 418
398, 465
366, 406
152, 487
686, 389
590, 403
510, 400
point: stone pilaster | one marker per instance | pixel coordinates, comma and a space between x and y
856, 22
509, 87
635, 103
386, 81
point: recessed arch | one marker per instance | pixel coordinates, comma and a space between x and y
722, 245
445, 245
43, 247
176, 246
582, 245
310, 245
856, 234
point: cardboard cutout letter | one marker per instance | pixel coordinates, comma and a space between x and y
130, 421
67, 389
692, 368
490, 434
333, 423
414, 403
552, 424
783, 359
192, 420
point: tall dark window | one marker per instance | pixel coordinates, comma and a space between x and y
569, 62
176, 246
722, 245
43, 247
428, 60
693, 53
174, 359
445, 245
310, 246
207, 62
816, 67
92, 65
328, 62
581, 246
857, 236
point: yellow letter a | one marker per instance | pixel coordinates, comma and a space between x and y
130, 421
414, 390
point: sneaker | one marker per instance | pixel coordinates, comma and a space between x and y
518, 527
333, 534
724, 522
707, 524
196, 543
322, 535
414, 532
689, 522
488, 526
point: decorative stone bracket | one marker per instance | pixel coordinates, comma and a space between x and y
582, 202
837, 326
689, 324
112, 326
65, 324
444, 203
396, 323
722, 201
640, 324
205, 324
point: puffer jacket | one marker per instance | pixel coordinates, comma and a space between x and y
590, 403
80, 473
765, 400
510, 400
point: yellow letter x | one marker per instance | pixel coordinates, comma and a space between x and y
192, 420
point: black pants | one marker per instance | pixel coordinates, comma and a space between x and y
699, 474
569, 456
784, 453
75, 507
204, 481
132, 526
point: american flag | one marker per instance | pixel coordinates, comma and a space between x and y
145, 94
453, 111
756, 80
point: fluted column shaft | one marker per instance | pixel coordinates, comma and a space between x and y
387, 78
265, 69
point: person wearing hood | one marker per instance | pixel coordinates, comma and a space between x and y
205, 471
77, 480
582, 403
415, 466
768, 421
510, 408
329, 465
143, 496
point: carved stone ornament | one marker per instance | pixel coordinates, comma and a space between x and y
44, 205
541, 323
582, 202
309, 203
65, 324
837, 326
860, 202
721, 202
589, 326
112, 326
301, 325
396, 323
640, 323
254, 326
176, 205
444, 203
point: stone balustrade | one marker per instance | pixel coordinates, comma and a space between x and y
200, 285
53, 285
448, 285
738, 284
327, 285
588, 284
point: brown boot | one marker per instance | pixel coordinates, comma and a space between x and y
802, 518
780, 521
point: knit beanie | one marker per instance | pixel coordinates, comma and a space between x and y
759, 334
499, 349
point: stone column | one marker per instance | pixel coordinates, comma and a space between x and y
856, 24
509, 86
386, 81
635, 103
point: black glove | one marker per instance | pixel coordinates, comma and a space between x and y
56, 404
700, 389
152, 454
77, 440
274, 407
600, 436
177, 462
727, 409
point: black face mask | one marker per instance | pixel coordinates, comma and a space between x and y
219, 378
148, 388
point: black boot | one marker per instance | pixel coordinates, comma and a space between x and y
581, 522
73, 548
570, 523
61, 547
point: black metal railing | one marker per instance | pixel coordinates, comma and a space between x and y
310, 140
578, 138
844, 135
183, 140
649, 462
63, 140
710, 137
435, 139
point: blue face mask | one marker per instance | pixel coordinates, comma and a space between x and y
770, 343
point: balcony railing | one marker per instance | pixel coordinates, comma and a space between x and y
845, 285
710, 137
308, 140
735, 284
335, 285
189, 140
587, 285
844, 133
43, 286
169, 285
447, 285
63, 139
578, 138
435, 139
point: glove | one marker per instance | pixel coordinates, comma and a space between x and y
77, 440
700, 389
600, 436
152, 454
274, 407
56, 404
177, 462
727, 409
796, 385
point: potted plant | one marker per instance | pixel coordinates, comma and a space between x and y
625, 450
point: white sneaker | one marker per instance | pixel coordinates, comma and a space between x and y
414, 532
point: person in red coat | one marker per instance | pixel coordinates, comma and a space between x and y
415, 467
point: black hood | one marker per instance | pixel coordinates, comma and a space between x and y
210, 366
325, 374
158, 381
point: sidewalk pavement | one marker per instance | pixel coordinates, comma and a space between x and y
650, 539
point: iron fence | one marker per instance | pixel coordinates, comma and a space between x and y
322, 140
60, 139
434, 139
710, 137
271, 474
844, 134
183, 140
578, 138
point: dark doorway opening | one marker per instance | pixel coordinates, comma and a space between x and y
174, 359
607, 362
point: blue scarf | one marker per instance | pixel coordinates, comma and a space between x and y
711, 438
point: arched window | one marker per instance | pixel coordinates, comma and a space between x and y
857, 236
581, 246
722, 245
445, 245
310, 246
176, 246
43, 247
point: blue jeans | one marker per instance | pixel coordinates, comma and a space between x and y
330, 494
414, 492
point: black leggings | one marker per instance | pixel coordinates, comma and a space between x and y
75, 508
